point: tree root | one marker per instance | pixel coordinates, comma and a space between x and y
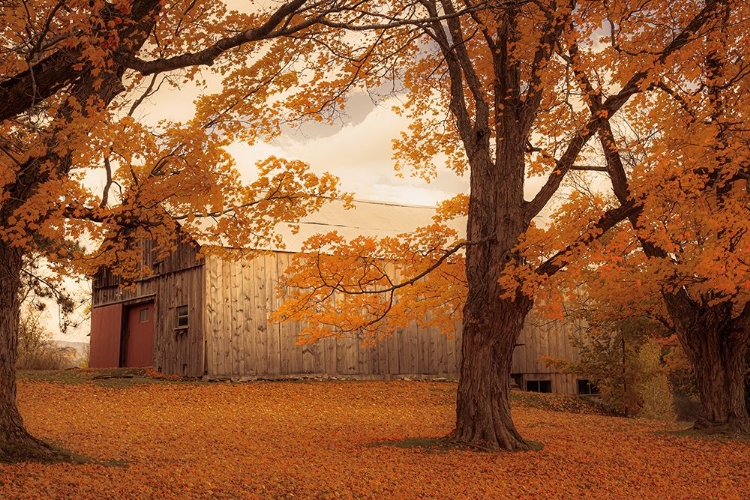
26, 448
732, 427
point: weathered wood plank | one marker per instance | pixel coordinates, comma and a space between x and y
232, 304
273, 330
288, 350
249, 330
330, 360
408, 359
226, 312
452, 352
261, 327
214, 308
423, 349
363, 358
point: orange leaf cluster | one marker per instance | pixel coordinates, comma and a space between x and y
331, 440
373, 286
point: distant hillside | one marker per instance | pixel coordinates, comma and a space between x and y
82, 348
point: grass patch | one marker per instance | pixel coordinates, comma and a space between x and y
117, 378
716, 435
557, 402
37, 451
72, 376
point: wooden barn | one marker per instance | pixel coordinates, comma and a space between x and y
207, 317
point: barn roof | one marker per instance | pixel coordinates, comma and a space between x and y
364, 218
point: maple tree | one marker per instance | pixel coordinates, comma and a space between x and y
687, 163
73, 75
511, 90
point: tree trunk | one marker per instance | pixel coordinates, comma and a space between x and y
716, 345
15, 443
492, 324
491, 330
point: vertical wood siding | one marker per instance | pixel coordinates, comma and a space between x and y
179, 351
241, 341
229, 335
542, 338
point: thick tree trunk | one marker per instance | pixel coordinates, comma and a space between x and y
716, 345
492, 324
15, 442
483, 404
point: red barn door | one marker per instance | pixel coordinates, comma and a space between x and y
139, 336
106, 325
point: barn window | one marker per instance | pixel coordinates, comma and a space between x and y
182, 316
144, 315
586, 388
539, 385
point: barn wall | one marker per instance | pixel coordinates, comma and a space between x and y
241, 342
543, 338
107, 287
176, 280
179, 350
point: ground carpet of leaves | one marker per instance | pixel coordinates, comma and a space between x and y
333, 440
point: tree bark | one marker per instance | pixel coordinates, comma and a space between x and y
492, 321
483, 416
716, 344
15, 442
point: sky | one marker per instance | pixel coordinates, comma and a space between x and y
357, 150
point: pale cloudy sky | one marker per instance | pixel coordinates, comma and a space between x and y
357, 150
359, 153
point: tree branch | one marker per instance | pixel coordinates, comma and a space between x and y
610, 107
608, 220
410, 281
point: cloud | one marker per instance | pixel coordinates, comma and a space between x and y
360, 154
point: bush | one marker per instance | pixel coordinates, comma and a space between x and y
47, 357
36, 349
609, 358
654, 388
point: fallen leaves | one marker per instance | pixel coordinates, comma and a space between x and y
315, 440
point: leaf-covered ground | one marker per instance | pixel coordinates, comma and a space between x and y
332, 440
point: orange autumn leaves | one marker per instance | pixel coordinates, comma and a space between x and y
375, 285
112, 173
330, 440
